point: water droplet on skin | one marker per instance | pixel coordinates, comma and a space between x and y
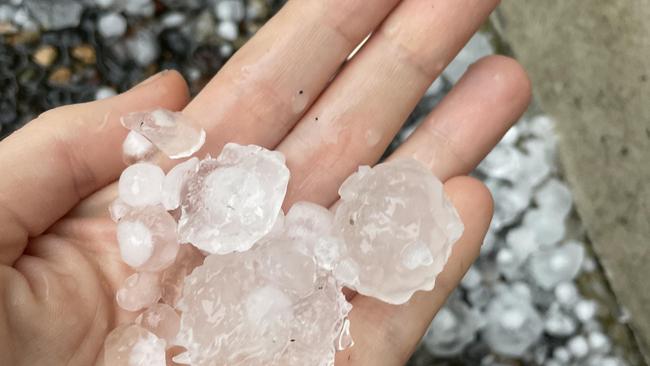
372, 137
299, 101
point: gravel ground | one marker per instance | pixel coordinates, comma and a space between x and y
535, 297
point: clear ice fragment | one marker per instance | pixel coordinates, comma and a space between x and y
398, 227
140, 290
141, 185
174, 182
132, 345
161, 320
234, 200
559, 324
555, 196
173, 133
136, 148
147, 239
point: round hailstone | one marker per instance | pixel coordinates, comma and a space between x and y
161, 320
453, 328
139, 290
550, 267
175, 134
399, 228
147, 239
132, 345
141, 185
513, 325
234, 200
175, 181
136, 148
263, 306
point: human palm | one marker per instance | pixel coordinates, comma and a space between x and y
291, 89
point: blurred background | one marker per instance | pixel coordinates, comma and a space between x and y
563, 274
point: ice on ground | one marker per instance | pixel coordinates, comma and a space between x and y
513, 324
549, 267
398, 227
453, 328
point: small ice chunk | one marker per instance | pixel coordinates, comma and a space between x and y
175, 181
549, 267
453, 328
398, 227
173, 133
555, 196
147, 239
234, 200
599, 342
228, 30
578, 346
477, 47
567, 294
132, 345
502, 162
522, 241
586, 310
510, 202
161, 320
314, 224
141, 185
513, 325
547, 226
136, 148
558, 323
140, 290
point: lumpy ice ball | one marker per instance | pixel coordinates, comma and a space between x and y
147, 239
398, 226
234, 200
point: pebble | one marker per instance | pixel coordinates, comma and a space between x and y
45, 55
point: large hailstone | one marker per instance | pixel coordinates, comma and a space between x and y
234, 200
399, 228
271, 305
173, 133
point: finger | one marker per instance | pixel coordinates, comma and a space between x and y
386, 335
262, 91
472, 118
358, 115
65, 155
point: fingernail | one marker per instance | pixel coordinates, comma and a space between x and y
152, 78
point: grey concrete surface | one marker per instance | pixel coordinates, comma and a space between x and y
590, 66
